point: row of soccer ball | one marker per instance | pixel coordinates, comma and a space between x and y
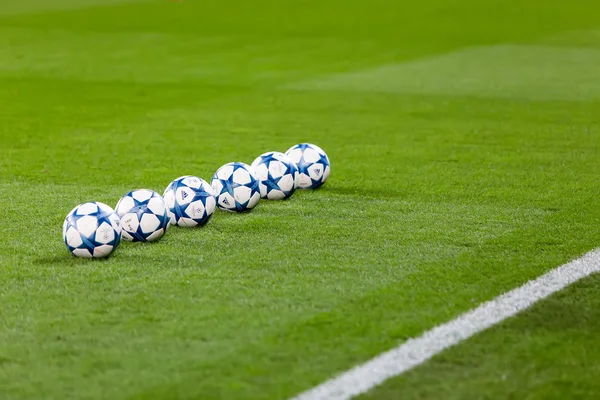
94, 230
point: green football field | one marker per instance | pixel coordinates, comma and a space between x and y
464, 139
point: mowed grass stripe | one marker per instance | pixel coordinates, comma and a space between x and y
157, 57
529, 72
20, 7
589, 38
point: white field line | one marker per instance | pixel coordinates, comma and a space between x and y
420, 349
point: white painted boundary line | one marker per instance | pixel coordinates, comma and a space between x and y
418, 350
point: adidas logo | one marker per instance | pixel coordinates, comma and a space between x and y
183, 195
226, 202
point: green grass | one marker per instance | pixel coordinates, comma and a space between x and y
548, 352
447, 189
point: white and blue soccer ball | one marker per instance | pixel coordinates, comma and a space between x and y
313, 165
92, 230
236, 187
277, 175
144, 216
190, 201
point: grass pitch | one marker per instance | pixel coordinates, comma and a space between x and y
464, 142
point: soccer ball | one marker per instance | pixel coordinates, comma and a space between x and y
313, 165
190, 201
144, 216
276, 174
236, 187
136, 198
92, 230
